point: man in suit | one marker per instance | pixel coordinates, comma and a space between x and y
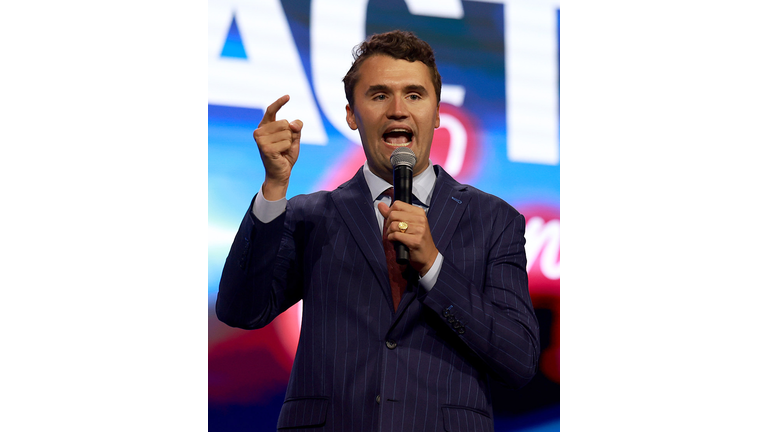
386, 348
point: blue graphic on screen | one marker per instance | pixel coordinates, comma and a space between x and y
233, 46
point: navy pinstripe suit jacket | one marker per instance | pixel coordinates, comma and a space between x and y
360, 366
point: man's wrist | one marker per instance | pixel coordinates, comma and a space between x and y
274, 190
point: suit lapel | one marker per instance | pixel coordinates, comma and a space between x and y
353, 201
449, 201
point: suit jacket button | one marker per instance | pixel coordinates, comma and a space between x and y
378, 399
460, 330
391, 344
456, 325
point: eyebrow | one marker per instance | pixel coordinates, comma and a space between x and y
408, 89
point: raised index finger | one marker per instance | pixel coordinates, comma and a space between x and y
271, 111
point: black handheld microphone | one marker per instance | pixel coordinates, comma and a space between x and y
403, 160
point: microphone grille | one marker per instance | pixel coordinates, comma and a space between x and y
403, 156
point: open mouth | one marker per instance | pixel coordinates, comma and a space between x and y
399, 137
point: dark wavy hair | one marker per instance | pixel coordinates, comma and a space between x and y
398, 44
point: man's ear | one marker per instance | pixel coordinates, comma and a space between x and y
437, 117
351, 118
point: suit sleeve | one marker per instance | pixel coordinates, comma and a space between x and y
260, 278
494, 317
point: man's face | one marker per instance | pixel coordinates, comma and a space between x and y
395, 106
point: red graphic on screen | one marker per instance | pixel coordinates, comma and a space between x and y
542, 234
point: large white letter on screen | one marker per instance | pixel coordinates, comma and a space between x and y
436, 8
530, 61
334, 29
272, 67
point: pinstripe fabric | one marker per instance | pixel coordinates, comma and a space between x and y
361, 366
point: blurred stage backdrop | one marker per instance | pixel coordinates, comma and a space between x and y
499, 132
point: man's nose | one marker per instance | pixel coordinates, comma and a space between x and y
397, 109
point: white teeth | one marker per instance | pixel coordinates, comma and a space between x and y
398, 130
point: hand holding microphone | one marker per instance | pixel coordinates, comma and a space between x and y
413, 239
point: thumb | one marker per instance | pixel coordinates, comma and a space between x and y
384, 210
296, 125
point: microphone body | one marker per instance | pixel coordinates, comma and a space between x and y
403, 160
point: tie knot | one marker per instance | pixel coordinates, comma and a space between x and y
390, 192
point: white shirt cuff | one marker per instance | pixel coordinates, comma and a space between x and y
266, 211
428, 280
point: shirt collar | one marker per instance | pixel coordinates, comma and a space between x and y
423, 184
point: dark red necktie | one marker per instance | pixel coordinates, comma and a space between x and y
396, 279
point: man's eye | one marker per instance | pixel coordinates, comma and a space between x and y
378, 97
414, 96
